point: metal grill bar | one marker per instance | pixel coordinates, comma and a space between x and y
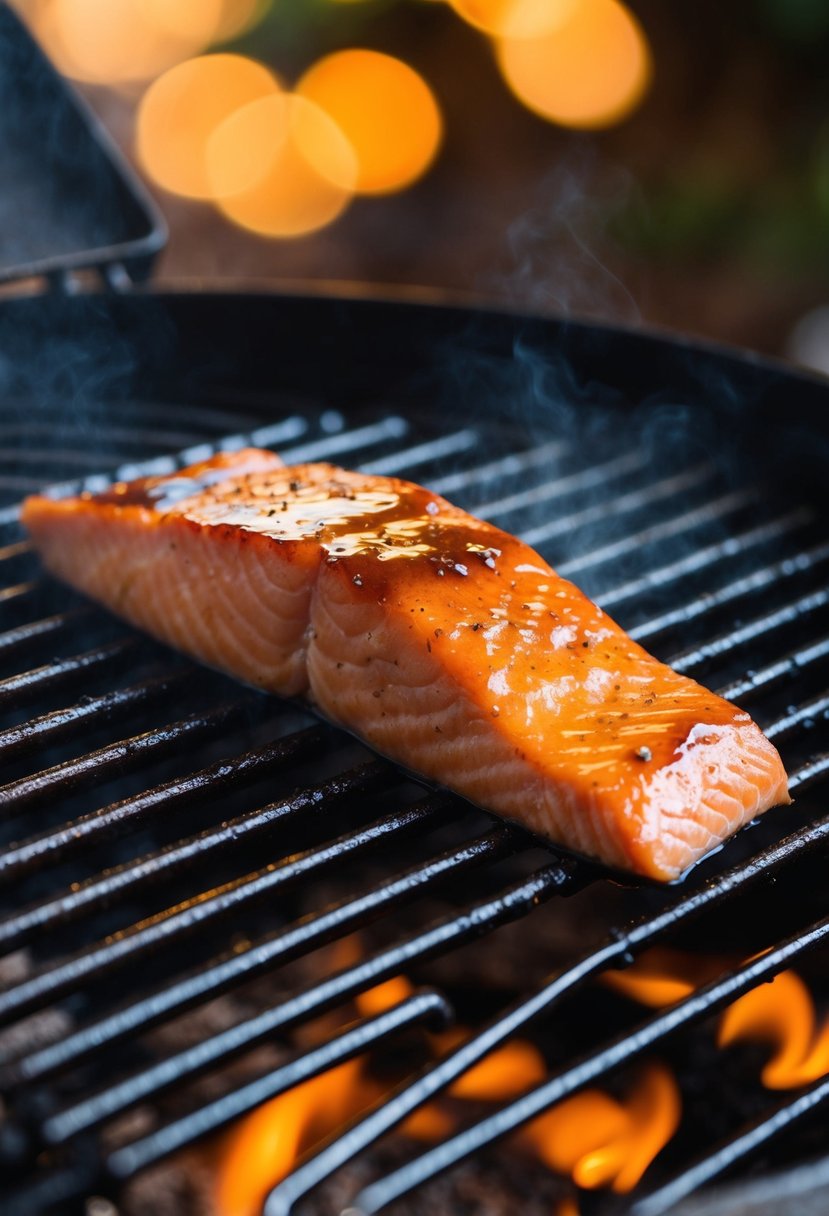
708, 601
473, 920
733, 1150
117, 759
759, 627
773, 673
97, 962
20, 591
209, 1119
621, 1050
241, 966
244, 1035
804, 715
283, 431
512, 903
753, 630
132, 813
514, 463
63, 1185
560, 487
808, 774
423, 453
91, 713
227, 971
700, 559
392, 427
17, 690
217, 979
686, 521
133, 876
184, 919
123, 1091
635, 500
619, 949
15, 549
16, 641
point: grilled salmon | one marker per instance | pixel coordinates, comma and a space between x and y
448, 645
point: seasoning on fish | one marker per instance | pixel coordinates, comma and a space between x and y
447, 644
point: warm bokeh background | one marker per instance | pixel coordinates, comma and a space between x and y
647, 161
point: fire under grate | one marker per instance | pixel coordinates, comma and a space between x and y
158, 820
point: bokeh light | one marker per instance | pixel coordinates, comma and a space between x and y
237, 17
181, 110
591, 71
514, 18
123, 40
281, 166
182, 20
386, 111
374, 126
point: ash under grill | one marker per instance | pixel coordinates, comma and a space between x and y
170, 838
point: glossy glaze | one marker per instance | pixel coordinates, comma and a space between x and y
541, 640
445, 642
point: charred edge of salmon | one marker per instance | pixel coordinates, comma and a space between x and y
446, 644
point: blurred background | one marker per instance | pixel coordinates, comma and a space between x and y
640, 162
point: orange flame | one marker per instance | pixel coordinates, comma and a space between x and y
781, 1013
429, 1122
663, 977
594, 1138
505, 1074
568, 1206
263, 1147
383, 997
602, 1142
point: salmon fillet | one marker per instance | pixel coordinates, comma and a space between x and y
446, 644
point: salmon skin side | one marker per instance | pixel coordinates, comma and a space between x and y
446, 644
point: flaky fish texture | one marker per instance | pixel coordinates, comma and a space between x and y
445, 643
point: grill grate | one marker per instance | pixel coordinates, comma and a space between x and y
713, 571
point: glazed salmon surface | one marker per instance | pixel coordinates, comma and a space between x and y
447, 644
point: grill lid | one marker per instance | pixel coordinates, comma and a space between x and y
69, 200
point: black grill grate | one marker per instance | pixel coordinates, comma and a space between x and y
143, 797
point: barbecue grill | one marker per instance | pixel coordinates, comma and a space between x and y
153, 809
170, 837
